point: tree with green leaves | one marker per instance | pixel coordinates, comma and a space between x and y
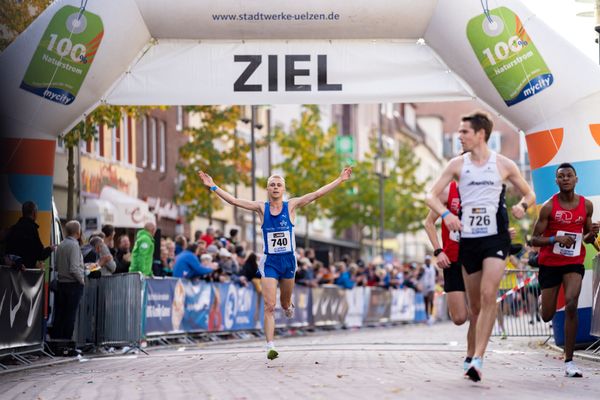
310, 160
216, 148
16, 16
359, 206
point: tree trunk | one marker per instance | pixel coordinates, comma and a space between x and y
70, 183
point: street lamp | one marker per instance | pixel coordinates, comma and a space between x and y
381, 173
253, 125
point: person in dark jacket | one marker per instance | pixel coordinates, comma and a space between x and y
23, 239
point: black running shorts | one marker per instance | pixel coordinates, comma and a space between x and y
552, 276
472, 251
453, 279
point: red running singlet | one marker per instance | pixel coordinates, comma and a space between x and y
564, 222
450, 239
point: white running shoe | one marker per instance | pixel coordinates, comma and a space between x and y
289, 312
571, 370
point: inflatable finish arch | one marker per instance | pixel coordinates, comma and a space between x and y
339, 51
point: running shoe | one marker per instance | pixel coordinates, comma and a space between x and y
572, 371
466, 365
272, 354
474, 371
289, 312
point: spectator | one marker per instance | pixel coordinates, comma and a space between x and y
427, 279
165, 260
227, 264
104, 260
181, 243
197, 236
187, 264
209, 237
70, 270
233, 236
23, 238
212, 250
88, 251
143, 250
109, 238
157, 264
123, 256
344, 278
305, 274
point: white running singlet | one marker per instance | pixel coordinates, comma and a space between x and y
480, 189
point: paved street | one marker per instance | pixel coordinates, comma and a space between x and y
383, 363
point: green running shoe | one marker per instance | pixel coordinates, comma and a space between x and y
272, 354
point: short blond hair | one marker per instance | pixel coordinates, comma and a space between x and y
275, 177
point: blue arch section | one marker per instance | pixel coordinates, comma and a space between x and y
36, 188
544, 180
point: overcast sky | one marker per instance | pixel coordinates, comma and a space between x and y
561, 16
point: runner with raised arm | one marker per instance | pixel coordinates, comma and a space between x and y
279, 262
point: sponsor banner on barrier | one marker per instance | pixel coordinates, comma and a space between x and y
357, 307
329, 305
403, 305
380, 301
21, 299
165, 305
238, 307
302, 300
420, 314
201, 312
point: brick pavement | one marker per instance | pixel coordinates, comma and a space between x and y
374, 363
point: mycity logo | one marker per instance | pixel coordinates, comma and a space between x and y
292, 70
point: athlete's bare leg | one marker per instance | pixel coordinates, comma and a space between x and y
572, 284
549, 299
472, 291
286, 286
269, 289
491, 275
457, 307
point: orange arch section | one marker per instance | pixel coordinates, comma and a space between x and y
595, 129
543, 146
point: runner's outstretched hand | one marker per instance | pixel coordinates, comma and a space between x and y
206, 179
346, 173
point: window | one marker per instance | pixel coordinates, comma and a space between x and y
60, 144
163, 146
115, 148
144, 141
153, 143
98, 147
125, 139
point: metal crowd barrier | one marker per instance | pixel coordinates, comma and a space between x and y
595, 328
518, 306
111, 311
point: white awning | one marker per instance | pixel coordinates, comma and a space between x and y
116, 208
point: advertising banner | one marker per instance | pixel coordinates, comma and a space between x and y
165, 304
595, 329
420, 315
403, 305
357, 300
239, 308
64, 55
201, 311
380, 302
508, 55
302, 300
329, 305
21, 295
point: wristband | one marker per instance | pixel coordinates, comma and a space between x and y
445, 214
552, 239
437, 252
213, 188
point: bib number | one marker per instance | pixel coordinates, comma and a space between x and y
480, 221
279, 242
572, 251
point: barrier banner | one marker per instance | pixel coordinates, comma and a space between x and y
302, 300
380, 302
21, 295
403, 305
420, 315
238, 307
329, 305
165, 304
595, 330
202, 307
357, 300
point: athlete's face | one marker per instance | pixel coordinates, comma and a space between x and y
468, 137
566, 179
276, 188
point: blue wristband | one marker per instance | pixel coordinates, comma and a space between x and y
552, 239
214, 188
445, 214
